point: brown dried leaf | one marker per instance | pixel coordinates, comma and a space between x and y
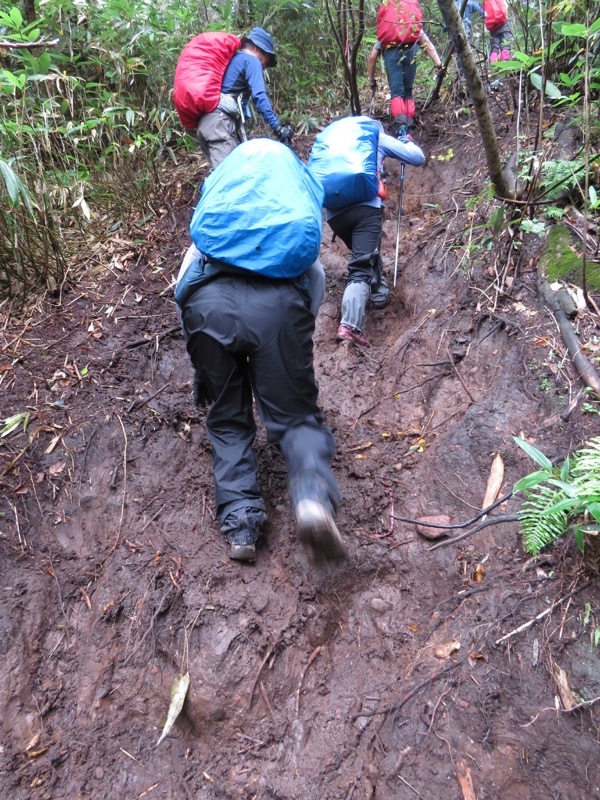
479, 573
33, 741
57, 468
475, 656
495, 479
446, 650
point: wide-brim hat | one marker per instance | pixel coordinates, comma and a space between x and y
264, 41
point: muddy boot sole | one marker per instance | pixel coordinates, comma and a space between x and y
318, 532
242, 552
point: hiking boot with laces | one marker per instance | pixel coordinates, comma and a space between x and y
345, 333
493, 57
505, 55
318, 532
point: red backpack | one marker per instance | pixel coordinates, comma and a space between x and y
199, 74
399, 22
496, 14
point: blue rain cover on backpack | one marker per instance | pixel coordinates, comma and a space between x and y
260, 210
344, 161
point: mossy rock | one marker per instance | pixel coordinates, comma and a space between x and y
560, 259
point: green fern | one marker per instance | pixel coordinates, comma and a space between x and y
554, 212
559, 500
560, 177
539, 528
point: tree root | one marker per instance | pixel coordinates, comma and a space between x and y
586, 371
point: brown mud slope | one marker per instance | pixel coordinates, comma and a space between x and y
380, 678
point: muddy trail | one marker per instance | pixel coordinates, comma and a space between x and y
385, 677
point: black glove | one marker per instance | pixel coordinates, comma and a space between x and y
284, 133
201, 394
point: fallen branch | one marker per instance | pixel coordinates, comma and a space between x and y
47, 40
477, 516
583, 704
268, 655
156, 338
311, 658
582, 364
541, 615
476, 529
458, 376
135, 405
409, 695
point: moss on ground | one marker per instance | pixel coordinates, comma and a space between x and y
561, 260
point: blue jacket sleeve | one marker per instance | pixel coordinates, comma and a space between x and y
474, 8
408, 151
256, 82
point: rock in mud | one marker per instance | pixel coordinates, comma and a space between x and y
434, 533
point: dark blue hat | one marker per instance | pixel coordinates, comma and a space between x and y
264, 41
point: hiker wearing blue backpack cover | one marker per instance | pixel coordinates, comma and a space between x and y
347, 159
472, 7
249, 317
221, 130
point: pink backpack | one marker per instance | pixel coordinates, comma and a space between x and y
199, 74
399, 22
496, 14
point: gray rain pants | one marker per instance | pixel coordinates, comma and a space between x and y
217, 134
253, 336
359, 227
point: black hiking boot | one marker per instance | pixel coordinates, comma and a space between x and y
318, 532
242, 529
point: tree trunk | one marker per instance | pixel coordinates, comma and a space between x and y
29, 10
466, 62
348, 29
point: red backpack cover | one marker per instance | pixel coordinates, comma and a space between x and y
399, 22
199, 74
496, 14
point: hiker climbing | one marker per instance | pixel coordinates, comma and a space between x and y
248, 321
496, 21
471, 8
399, 35
216, 75
347, 158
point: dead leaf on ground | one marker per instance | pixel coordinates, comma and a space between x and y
475, 656
446, 650
178, 693
33, 741
478, 573
57, 468
495, 479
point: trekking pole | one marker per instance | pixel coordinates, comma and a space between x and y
241, 121
372, 104
402, 165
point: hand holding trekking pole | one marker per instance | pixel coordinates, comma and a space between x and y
402, 165
372, 103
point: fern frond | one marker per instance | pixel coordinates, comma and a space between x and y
561, 176
538, 528
586, 471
